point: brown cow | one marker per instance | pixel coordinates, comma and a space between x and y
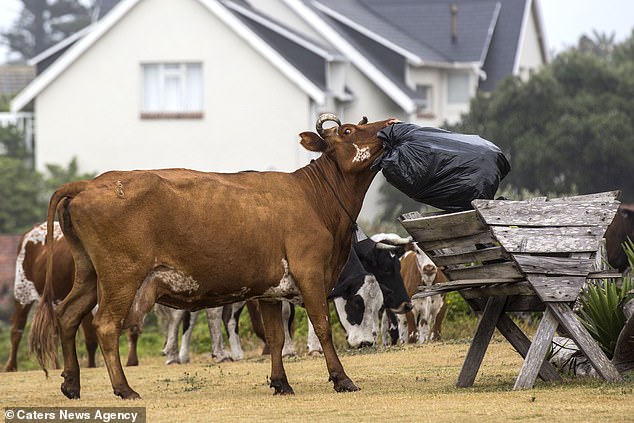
621, 228
177, 237
423, 323
30, 275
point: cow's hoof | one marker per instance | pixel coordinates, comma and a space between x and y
342, 384
281, 388
70, 385
172, 361
10, 369
127, 394
131, 363
315, 353
346, 386
71, 392
225, 359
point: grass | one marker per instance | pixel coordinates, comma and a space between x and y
403, 383
410, 383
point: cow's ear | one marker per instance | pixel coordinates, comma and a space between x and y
313, 142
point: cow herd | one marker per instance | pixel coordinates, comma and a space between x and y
374, 287
171, 240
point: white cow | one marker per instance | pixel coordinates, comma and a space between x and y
173, 317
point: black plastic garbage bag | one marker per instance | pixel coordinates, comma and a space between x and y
444, 169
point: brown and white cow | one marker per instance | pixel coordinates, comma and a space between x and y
422, 324
30, 275
141, 237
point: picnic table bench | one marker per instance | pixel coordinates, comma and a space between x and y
510, 256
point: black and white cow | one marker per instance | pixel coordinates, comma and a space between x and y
370, 282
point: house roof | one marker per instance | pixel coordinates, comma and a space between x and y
381, 38
386, 37
302, 64
306, 55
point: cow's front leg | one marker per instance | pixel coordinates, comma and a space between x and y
317, 309
274, 334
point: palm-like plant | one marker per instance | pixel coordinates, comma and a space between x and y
602, 302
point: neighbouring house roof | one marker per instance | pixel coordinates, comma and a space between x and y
14, 78
383, 38
302, 64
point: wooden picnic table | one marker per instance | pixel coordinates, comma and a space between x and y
511, 256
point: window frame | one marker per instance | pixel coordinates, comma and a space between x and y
166, 70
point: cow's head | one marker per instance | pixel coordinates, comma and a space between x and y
358, 301
353, 147
383, 262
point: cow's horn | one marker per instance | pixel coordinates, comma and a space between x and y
325, 117
382, 246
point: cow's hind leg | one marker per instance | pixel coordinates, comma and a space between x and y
91, 339
274, 333
70, 312
133, 358
115, 301
18, 321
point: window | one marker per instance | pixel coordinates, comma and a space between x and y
458, 87
172, 91
424, 109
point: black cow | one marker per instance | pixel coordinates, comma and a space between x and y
617, 233
382, 260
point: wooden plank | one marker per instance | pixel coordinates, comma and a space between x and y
454, 243
445, 226
523, 287
486, 254
605, 274
481, 339
517, 338
556, 288
514, 302
547, 213
549, 239
555, 265
596, 196
536, 354
586, 343
505, 270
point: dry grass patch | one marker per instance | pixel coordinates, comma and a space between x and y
413, 383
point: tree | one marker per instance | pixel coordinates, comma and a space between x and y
569, 127
43, 23
24, 191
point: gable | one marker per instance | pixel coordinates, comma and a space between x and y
169, 21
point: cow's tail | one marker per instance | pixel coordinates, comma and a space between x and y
44, 327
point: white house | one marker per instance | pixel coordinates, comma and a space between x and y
227, 85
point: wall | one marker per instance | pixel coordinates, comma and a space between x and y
92, 110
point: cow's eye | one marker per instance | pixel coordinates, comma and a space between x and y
347, 131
